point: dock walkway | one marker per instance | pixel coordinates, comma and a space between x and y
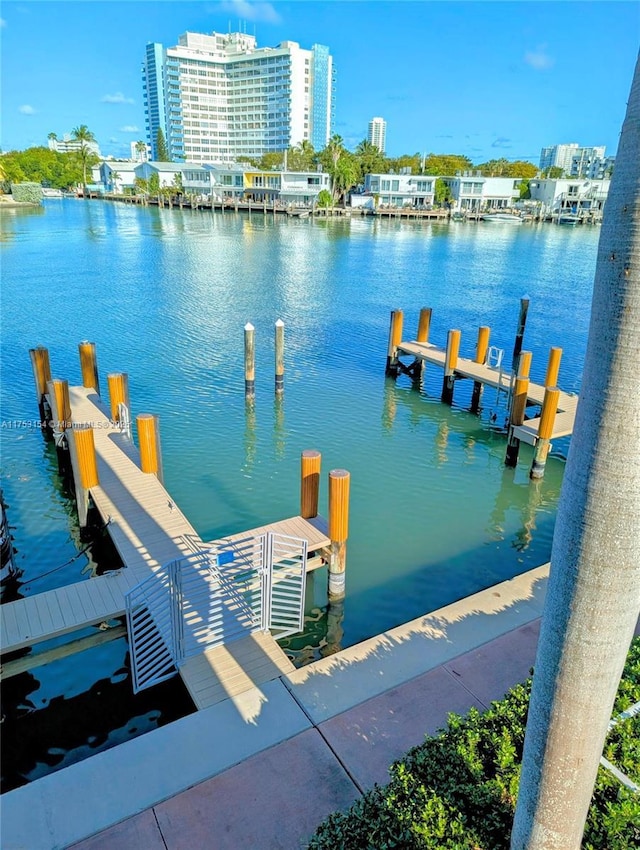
149, 531
500, 379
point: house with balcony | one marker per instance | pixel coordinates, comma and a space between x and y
474, 192
396, 190
117, 177
576, 196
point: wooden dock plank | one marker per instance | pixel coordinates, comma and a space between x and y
492, 377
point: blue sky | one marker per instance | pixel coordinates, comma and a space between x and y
486, 79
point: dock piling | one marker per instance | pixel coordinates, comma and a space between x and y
310, 462
450, 363
249, 361
85, 467
424, 325
279, 339
60, 419
339, 481
482, 346
118, 384
516, 417
545, 430
553, 367
149, 438
525, 364
89, 365
395, 338
41, 375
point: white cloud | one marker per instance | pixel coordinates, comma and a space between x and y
118, 97
3, 23
539, 58
129, 128
249, 11
26, 109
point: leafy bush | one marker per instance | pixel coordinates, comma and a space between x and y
457, 790
28, 193
324, 198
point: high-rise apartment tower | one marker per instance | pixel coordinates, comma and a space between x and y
220, 98
378, 133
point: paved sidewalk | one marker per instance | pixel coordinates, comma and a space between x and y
261, 769
275, 799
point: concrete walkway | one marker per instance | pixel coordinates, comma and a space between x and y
261, 770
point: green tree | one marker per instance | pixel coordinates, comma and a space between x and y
141, 146
302, 157
442, 193
593, 595
370, 159
177, 185
153, 185
324, 198
345, 176
271, 161
83, 134
115, 176
162, 152
553, 172
525, 191
446, 164
412, 161
53, 137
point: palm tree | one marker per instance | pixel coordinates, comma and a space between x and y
115, 176
83, 135
593, 598
141, 147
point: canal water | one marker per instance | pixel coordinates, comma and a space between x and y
165, 295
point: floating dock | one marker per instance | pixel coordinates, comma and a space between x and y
150, 531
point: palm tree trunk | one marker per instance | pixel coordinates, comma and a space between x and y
593, 599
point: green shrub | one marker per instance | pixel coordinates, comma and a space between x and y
28, 193
457, 790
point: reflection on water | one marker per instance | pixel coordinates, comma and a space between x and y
165, 295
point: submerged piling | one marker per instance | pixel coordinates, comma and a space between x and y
516, 417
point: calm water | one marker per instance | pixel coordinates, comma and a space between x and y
165, 295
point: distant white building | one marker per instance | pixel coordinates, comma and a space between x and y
140, 153
558, 156
67, 145
576, 161
378, 133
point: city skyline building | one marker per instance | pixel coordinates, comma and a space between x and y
576, 160
221, 98
69, 145
377, 134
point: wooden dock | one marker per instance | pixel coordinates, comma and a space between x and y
499, 379
149, 531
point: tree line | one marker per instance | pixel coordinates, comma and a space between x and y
346, 168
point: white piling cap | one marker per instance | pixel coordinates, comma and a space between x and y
249, 327
279, 323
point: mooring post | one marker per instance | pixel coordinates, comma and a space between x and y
517, 345
41, 375
424, 325
89, 365
482, 346
450, 363
279, 357
525, 364
516, 417
553, 367
60, 419
84, 463
149, 439
249, 361
545, 430
310, 461
395, 338
118, 384
339, 480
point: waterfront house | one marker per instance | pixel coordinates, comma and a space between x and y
396, 190
576, 196
474, 192
116, 177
